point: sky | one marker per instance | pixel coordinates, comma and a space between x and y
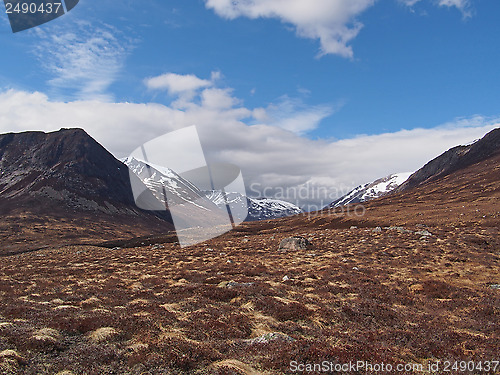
310, 98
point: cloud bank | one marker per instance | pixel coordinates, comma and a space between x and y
276, 160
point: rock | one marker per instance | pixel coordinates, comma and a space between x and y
423, 233
353, 227
233, 284
294, 243
285, 278
377, 230
495, 286
269, 337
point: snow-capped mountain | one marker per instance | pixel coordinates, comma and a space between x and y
161, 181
182, 191
372, 190
258, 209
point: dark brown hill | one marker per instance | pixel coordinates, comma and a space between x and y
454, 159
66, 185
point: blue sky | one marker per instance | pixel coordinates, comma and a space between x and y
316, 91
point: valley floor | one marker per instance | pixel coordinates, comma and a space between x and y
236, 305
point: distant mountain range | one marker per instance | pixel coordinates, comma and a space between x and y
63, 186
371, 190
180, 190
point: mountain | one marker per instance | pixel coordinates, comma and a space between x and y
371, 190
454, 159
182, 191
258, 209
67, 177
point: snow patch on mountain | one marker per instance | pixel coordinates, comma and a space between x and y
372, 190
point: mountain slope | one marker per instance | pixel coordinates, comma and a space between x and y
182, 191
67, 177
454, 159
258, 209
371, 190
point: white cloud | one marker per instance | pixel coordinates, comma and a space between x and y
293, 115
333, 22
83, 61
176, 83
274, 161
462, 5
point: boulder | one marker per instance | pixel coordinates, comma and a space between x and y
294, 243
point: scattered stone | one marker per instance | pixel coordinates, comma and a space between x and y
65, 307
377, 230
233, 284
294, 243
116, 248
245, 240
355, 268
269, 337
353, 227
423, 233
495, 286
229, 261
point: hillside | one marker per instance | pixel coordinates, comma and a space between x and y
64, 187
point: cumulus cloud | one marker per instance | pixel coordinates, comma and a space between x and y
333, 22
274, 161
83, 61
176, 83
